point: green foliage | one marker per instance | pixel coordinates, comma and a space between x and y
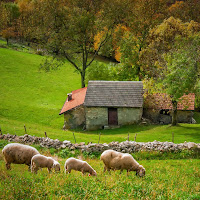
3, 143
182, 68
51, 63
91, 155
68, 153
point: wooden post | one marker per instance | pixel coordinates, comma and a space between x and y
172, 137
25, 129
0, 131
128, 137
74, 137
135, 137
99, 137
45, 134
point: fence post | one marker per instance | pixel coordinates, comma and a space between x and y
45, 134
74, 137
25, 129
128, 137
99, 137
135, 137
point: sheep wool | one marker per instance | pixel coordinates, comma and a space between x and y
18, 154
40, 161
79, 165
114, 160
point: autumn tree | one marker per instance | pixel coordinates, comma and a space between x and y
171, 58
67, 28
8, 15
161, 39
186, 10
145, 15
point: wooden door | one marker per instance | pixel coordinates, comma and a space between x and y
112, 116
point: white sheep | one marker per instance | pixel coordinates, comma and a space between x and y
114, 160
40, 161
78, 165
18, 154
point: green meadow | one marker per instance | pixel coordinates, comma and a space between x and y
164, 179
34, 98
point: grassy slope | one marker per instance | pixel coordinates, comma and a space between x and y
35, 98
165, 179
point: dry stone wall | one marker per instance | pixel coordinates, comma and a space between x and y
125, 147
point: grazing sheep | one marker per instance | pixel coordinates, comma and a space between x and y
18, 154
114, 160
78, 165
40, 161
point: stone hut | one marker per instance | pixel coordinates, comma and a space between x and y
158, 108
104, 104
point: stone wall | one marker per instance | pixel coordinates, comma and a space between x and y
125, 147
156, 117
96, 117
74, 118
129, 115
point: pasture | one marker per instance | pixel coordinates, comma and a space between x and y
34, 98
165, 179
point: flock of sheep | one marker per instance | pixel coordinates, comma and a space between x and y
113, 160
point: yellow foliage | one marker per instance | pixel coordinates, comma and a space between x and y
117, 54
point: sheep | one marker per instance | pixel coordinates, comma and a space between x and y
78, 165
18, 154
40, 161
114, 160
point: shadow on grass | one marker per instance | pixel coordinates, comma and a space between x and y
122, 130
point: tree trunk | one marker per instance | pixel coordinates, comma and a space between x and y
174, 112
83, 79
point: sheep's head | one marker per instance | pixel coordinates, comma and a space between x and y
140, 171
56, 166
93, 173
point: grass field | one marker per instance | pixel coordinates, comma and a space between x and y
34, 98
164, 179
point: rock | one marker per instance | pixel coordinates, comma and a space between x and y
191, 145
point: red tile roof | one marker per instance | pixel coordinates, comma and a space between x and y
163, 101
78, 98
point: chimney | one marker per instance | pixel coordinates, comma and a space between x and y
69, 96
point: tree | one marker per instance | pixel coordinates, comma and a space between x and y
161, 40
67, 28
8, 15
145, 15
182, 70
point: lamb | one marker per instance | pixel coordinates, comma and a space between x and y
114, 160
18, 154
40, 161
78, 165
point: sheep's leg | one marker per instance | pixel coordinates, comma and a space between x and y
49, 169
35, 169
8, 166
127, 172
104, 169
29, 167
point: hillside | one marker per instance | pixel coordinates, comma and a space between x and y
34, 98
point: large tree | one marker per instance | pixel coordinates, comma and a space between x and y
182, 70
67, 28
171, 58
